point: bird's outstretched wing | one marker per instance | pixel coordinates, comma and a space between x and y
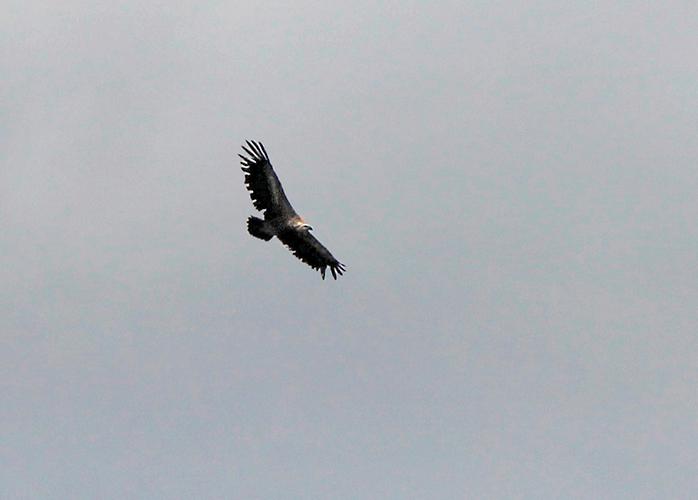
309, 250
261, 181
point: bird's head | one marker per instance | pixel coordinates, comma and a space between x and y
300, 223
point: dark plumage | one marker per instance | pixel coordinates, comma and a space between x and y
280, 219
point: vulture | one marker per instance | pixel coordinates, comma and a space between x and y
280, 219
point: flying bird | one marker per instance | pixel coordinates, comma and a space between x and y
280, 219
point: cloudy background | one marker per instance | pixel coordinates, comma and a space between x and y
513, 187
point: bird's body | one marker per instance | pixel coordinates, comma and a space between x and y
280, 219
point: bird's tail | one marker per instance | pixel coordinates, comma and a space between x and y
259, 228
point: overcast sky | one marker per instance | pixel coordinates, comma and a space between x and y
513, 187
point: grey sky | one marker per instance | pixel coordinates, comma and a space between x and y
511, 185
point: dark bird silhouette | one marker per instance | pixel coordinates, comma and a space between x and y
280, 219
